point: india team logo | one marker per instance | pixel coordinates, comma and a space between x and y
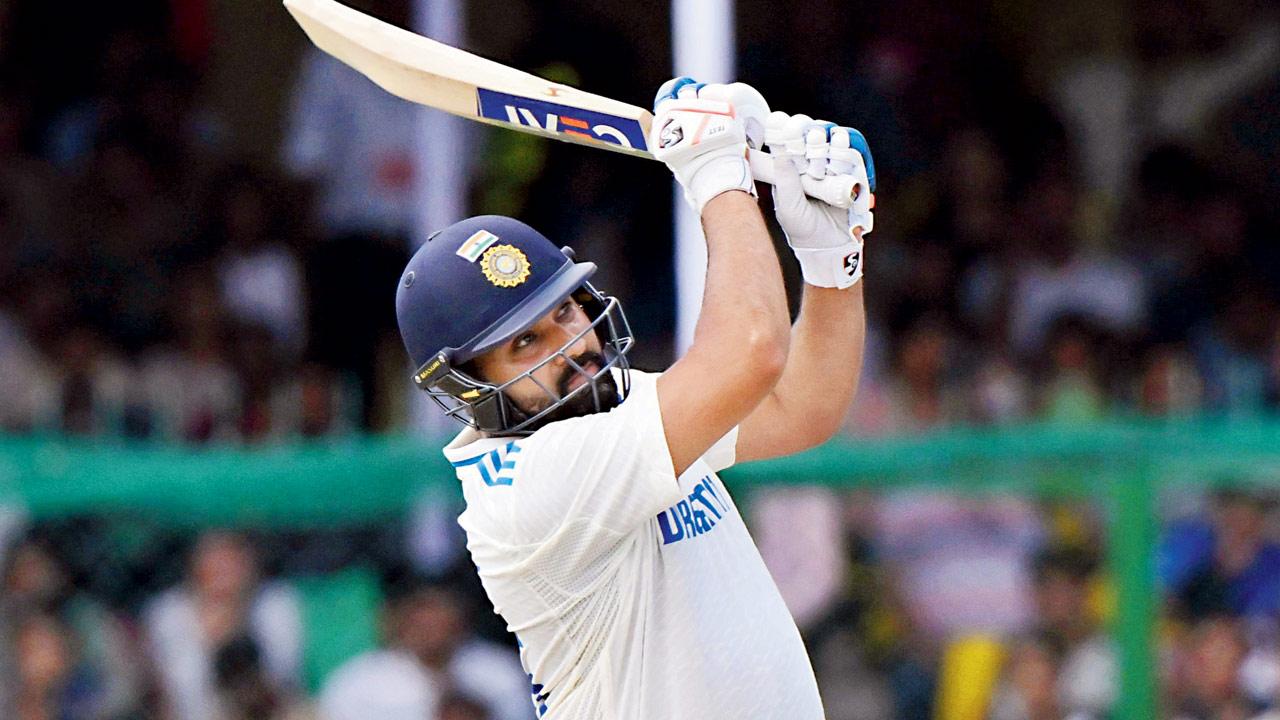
505, 265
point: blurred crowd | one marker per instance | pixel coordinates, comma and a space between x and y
225, 641
914, 604
1003, 608
1077, 219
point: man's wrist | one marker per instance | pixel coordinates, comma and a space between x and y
731, 200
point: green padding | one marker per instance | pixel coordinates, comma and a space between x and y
299, 485
1043, 457
340, 616
370, 479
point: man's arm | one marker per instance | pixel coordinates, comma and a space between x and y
817, 386
740, 341
819, 382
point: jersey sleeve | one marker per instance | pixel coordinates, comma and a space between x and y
605, 473
724, 453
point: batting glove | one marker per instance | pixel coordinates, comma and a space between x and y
702, 133
822, 236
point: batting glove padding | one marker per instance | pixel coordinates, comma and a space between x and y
702, 134
821, 235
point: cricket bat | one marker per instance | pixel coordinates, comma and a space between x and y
431, 73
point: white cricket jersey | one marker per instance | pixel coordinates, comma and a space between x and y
634, 595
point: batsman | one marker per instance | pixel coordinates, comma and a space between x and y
594, 515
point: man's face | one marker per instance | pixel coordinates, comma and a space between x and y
1063, 600
430, 623
545, 338
223, 566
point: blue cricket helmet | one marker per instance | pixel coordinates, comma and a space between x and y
476, 284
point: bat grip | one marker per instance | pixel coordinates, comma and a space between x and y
836, 190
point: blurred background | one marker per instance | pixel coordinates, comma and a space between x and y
1056, 493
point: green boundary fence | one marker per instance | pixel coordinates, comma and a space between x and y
1123, 464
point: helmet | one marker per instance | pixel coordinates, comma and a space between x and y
478, 283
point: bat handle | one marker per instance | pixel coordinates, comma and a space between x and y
836, 190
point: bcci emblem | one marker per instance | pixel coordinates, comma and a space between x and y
505, 265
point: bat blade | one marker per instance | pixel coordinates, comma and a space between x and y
431, 73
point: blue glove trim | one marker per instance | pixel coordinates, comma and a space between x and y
858, 142
669, 89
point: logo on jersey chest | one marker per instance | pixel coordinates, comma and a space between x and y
696, 515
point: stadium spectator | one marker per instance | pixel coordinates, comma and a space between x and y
1208, 687
429, 643
1169, 384
91, 382
223, 598
124, 254
260, 276
1028, 690
1072, 389
49, 679
23, 382
256, 362
245, 691
190, 385
321, 404
1235, 350
1063, 273
798, 531
38, 597
433, 623
961, 564
1086, 668
1223, 562
1000, 394
390, 682
921, 391
957, 565
460, 707
858, 644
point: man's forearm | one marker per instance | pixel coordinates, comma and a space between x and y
820, 378
740, 343
744, 298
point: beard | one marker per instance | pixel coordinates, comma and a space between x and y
583, 403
